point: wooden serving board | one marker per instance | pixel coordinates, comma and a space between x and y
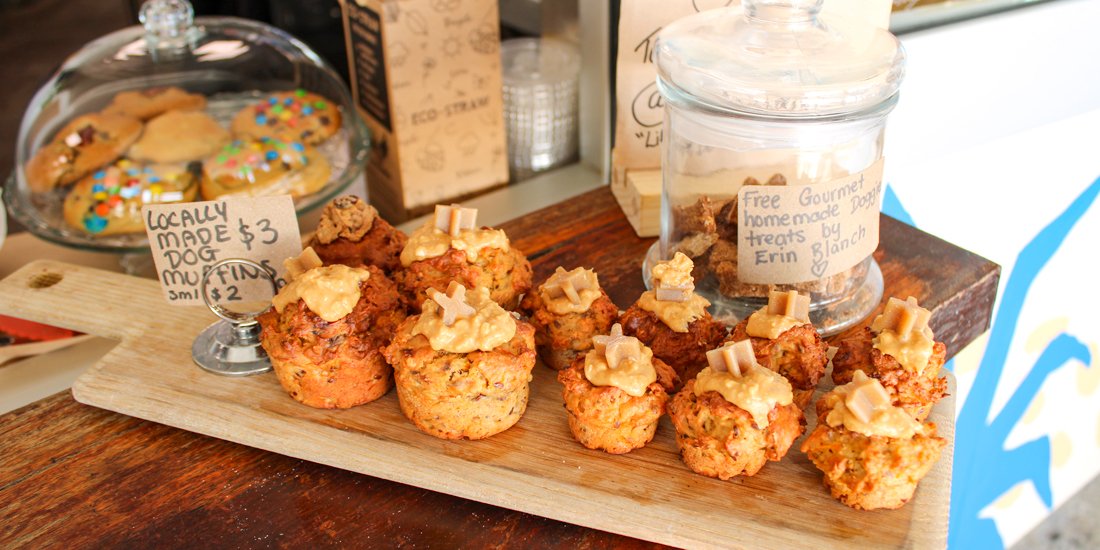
536, 466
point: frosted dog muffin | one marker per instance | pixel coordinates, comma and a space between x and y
673, 320
735, 415
463, 365
567, 311
352, 233
785, 341
900, 351
872, 453
326, 332
616, 393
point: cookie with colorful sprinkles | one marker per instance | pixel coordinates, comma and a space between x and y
291, 116
264, 166
109, 201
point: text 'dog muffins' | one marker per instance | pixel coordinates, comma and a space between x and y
567, 311
327, 330
616, 393
735, 415
451, 247
463, 365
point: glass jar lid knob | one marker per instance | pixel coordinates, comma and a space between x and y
790, 11
167, 22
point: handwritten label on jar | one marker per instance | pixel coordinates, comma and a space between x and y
187, 238
798, 233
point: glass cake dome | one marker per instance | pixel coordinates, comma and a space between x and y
180, 108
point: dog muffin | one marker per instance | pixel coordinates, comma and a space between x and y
872, 453
326, 332
567, 311
616, 393
673, 320
109, 201
786, 342
463, 365
263, 167
735, 415
900, 351
153, 102
297, 116
84, 145
352, 233
179, 136
452, 248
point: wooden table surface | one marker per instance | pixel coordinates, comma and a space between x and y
76, 475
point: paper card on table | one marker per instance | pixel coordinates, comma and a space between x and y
187, 238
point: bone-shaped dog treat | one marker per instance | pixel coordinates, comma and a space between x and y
791, 304
616, 347
567, 283
733, 357
904, 318
453, 218
453, 303
305, 261
866, 398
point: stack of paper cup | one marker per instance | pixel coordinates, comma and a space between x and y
540, 104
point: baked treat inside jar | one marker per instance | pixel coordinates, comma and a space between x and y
109, 201
463, 365
673, 320
85, 144
900, 351
872, 453
786, 342
152, 102
735, 415
179, 136
263, 167
352, 233
567, 311
296, 116
615, 393
327, 330
452, 248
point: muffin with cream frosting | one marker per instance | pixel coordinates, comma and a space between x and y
615, 393
735, 415
567, 311
463, 365
900, 351
673, 320
352, 233
452, 248
871, 452
326, 331
786, 342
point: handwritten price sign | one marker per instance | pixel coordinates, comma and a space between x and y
187, 238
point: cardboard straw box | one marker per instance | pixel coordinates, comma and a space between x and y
425, 75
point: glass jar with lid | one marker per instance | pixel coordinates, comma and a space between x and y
179, 108
772, 167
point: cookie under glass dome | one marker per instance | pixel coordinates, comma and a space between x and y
234, 65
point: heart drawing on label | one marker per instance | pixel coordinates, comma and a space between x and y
818, 268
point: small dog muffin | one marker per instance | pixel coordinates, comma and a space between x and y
567, 311
153, 102
262, 167
352, 233
179, 136
616, 393
786, 342
463, 366
109, 201
85, 144
327, 330
297, 116
735, 415
907, 361
673, 321
452, 248
872, 453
